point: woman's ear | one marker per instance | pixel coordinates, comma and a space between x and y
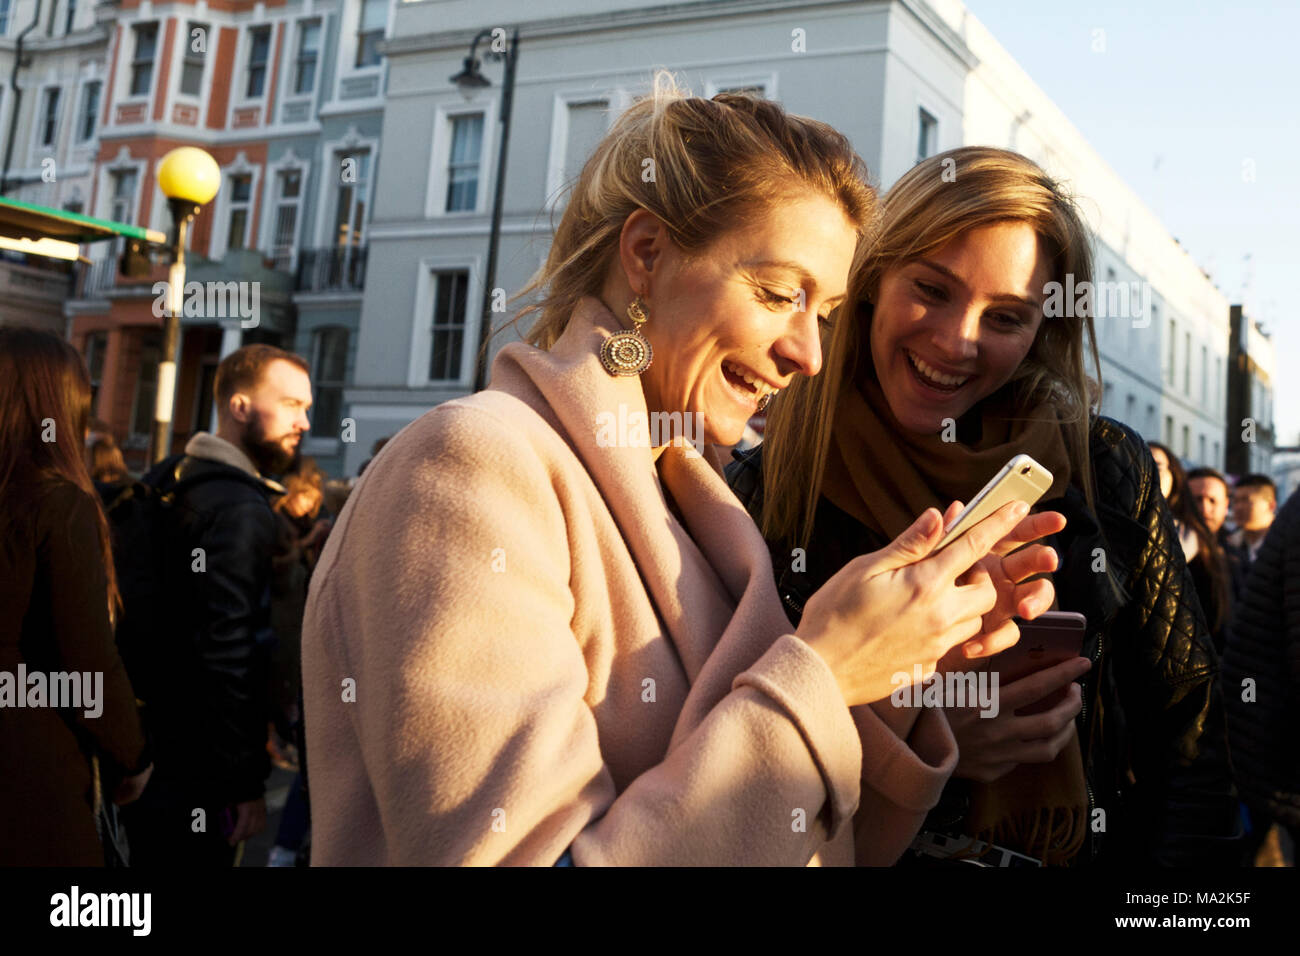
640, 248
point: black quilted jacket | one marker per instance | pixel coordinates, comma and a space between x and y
1264, 646
1152, 729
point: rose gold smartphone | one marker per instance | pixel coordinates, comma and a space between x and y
1021, 479
1047, 640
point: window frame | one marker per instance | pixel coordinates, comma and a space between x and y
82, 113
53, 93
300, 32
1172, 377
233, 205
187, 58
440, 158
274, 205
319, 382
922, 114
358, 36
328, 219
476, 165
143, 382
133, 199
220, 239
557, 157
255, 30
422, 320
136, 64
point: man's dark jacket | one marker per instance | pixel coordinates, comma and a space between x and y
209, 708
1152, 729
1264, 647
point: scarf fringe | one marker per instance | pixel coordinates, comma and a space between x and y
1051, 834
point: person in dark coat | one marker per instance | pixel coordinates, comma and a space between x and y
107, 469
207, 698
1262, 680
1207, 559
58, 591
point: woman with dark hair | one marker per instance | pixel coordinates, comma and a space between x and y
69, 713
1205, 556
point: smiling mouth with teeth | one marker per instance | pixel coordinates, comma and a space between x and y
746, 383
933, 377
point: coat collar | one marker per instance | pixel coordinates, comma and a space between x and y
709, 575
215, 448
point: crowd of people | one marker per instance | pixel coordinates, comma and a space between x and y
518, 643
191, 601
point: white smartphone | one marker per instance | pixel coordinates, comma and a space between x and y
1021, 479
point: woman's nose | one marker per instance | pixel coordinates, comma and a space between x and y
957, 334
801, 346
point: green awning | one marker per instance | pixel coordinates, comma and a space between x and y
24, 220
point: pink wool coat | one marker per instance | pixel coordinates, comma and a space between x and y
513, 648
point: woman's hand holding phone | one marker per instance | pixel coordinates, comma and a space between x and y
885, 612
991, 747
1009, 565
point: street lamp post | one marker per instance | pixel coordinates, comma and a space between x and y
188, 177
468, 80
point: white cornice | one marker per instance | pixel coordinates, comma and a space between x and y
680, 13
614, 20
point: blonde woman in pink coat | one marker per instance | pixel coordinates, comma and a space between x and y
544, 630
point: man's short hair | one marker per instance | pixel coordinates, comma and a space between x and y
1258, 481
1207, 472
244, 368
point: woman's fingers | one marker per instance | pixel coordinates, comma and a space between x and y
1003, 636
912, 546
1045, 749
963, 629
955, 559
1027, 562
1032, 528
1036, 686
1034, 598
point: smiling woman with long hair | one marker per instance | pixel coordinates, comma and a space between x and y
943, 364
58, 591
535, 637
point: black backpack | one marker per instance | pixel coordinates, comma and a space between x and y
146, 555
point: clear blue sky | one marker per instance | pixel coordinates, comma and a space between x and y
1183, 96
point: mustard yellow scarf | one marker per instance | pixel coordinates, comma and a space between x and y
885, 476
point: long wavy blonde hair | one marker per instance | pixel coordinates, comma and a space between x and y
703, 167
931, 205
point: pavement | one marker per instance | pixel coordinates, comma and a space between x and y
258, 849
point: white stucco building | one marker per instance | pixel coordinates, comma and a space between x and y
901, 78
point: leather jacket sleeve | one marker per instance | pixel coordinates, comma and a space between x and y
1182, 802
237, 546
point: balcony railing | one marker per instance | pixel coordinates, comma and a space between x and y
99, 275
332, 269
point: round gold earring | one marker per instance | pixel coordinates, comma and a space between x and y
628, 353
